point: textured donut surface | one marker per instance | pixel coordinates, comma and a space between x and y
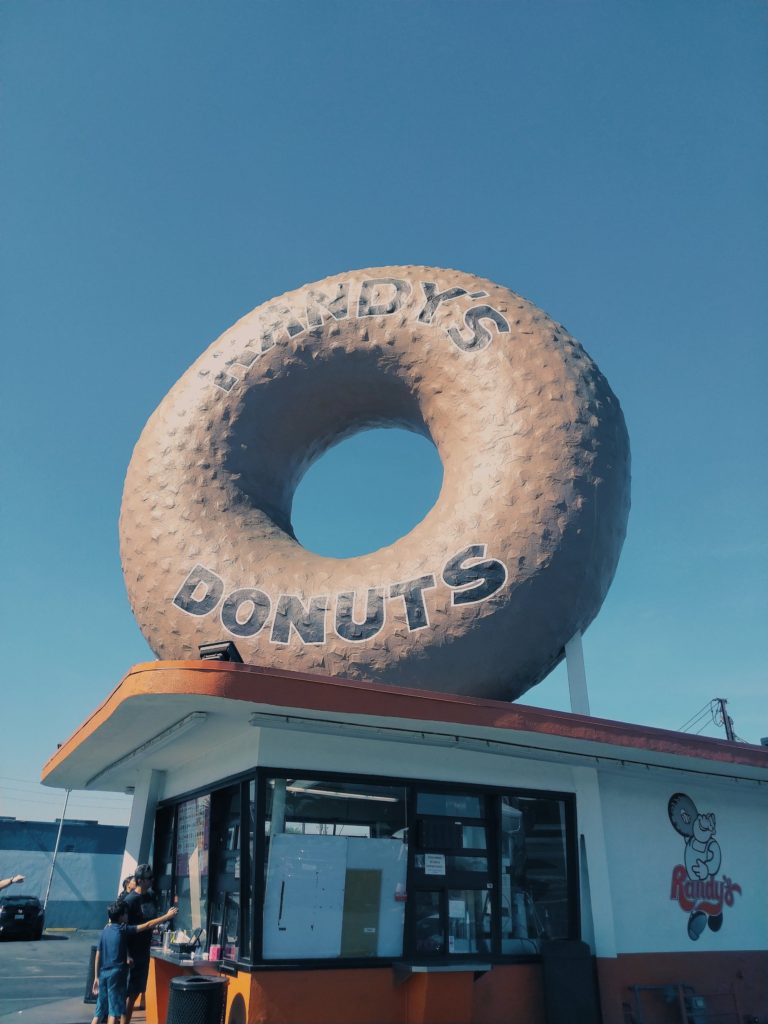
481, 596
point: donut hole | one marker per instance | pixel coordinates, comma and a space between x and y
286, 421
366, 492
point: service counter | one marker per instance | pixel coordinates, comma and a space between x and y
165, 966
406, 993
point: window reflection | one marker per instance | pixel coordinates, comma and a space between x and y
469, 921
192, 835
460, 805
249, 856
473, 837
163, 857
534, 880
428, 923
335, 869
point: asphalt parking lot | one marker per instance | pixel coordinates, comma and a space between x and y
35, 973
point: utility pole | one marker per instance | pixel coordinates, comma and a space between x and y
56, 848
727, 720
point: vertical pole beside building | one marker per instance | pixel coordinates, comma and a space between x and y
56, 847
727, 720
577, 676
141, 824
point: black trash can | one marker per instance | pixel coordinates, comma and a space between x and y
89, 997
196, 999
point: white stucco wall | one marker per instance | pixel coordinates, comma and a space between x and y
315, 752
629, 848
643, 849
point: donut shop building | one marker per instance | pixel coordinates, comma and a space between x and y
357, 823
358, 853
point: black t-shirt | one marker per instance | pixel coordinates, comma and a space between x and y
142, 906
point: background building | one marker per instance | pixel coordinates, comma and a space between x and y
87, 875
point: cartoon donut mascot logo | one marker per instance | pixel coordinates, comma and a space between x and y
694, 883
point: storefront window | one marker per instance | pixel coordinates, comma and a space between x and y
249, 858
336, 868
192, 839
534, 873
226, 872
163, 857
469, 920
360, 870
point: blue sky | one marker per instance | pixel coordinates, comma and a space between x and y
169, 166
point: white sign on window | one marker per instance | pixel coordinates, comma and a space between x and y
434, 863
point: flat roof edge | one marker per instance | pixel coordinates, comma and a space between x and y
335, 695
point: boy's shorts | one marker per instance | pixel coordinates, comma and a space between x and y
113, 985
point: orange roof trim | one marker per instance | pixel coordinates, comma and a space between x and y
344, 696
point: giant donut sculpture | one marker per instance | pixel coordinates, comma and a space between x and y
482, 595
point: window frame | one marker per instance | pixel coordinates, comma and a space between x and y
253, 867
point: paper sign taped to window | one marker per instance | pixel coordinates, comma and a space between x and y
434, 863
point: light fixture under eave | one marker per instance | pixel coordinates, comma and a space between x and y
162, 739
225, 650
343, 795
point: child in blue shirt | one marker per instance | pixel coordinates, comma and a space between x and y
111, 966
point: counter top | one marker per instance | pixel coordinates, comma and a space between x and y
182, 961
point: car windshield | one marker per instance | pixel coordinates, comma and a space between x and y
22, 901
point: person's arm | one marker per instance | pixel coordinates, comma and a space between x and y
158, 920
5, 882
95, 986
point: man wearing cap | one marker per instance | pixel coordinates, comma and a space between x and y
142, 906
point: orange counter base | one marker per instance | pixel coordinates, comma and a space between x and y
505, 995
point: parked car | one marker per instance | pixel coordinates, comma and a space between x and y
21, 917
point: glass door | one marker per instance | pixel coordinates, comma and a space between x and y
452, 904
224, 919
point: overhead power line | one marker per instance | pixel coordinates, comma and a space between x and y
54, 800
712, 713
103, 798
705, 710
84, 794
